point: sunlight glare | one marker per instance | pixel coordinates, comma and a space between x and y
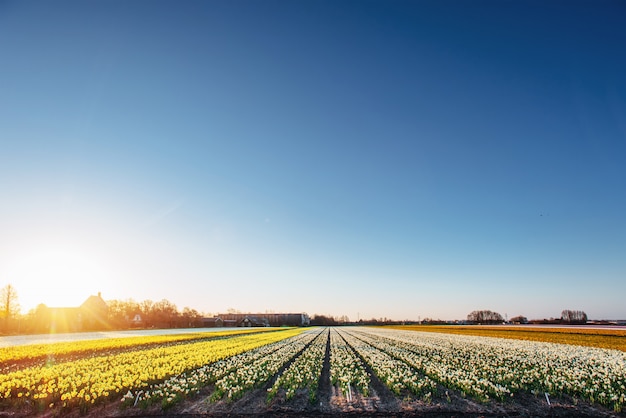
61, 277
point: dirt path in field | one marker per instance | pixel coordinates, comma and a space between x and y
381, 399
523, 407
324, 388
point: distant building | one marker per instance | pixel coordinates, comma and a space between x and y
254, 321
90, 316
265, 319
215, 322
136, 321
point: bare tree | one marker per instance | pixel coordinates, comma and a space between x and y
122, 312
165, 314
484, 317
9, 308
573, 317
190, 317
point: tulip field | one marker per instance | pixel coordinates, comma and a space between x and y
312, 371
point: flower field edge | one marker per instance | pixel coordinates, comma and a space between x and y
609, 339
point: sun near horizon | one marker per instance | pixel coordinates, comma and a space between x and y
57, 277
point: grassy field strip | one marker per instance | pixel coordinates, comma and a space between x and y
614, 339
394, 373
346, 369
304, 372
30, 353
186, 384
463, 362
255, 373
90, 380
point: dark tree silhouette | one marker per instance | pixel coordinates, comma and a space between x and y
573, 317
484, 317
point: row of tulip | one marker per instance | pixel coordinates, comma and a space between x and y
95, 379
396, 374
492, 367
254, 373
405, 361
346, 369
453, 377
304, 372
13, 356
189, 383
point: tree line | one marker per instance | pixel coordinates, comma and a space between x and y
148, 314
125, 314
119, 314
569, 317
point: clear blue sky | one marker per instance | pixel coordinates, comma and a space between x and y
397, 159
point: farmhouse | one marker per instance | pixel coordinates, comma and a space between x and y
254, 321
90, 316
215, 322
136, 321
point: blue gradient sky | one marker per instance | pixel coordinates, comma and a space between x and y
368, 158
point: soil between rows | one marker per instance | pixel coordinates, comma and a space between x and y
523, 406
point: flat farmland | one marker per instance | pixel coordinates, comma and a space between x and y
356, 371
601, 337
